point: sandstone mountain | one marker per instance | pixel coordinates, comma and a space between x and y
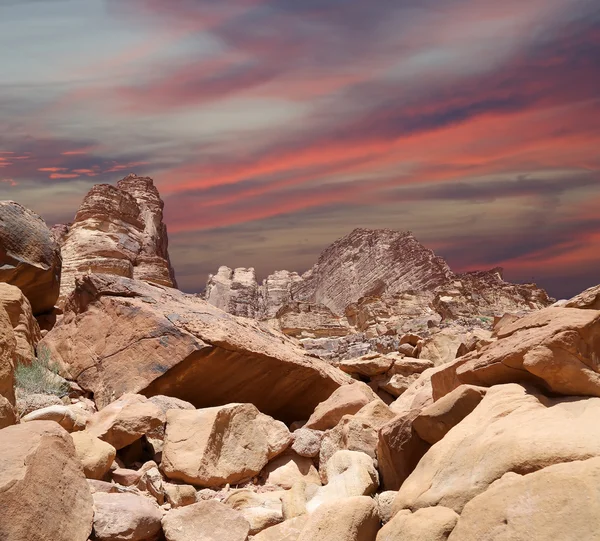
443, 407
117, 230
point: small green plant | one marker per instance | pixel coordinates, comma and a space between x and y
40, 376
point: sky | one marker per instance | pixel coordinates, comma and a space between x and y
274, 127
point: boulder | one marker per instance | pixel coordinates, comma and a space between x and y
285, 531
30, 402
127, 336
208, 521
349, 473
29, 256
310, 320
118, 230
224, 444
307, 442
347, 400
558, 502
125, 420
554, 348
351, 519
8, 349
372, 364
43, 492
26, 328
96, 456
261, 510
8, 415
511, 430
589, 299
436, 420
288, 468
429, 524
125, 517
385, 502
72, 418
179, 495
442, 347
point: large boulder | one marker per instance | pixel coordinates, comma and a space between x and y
43, 492
120, 335
558, 502
350, 519
224, 444
555, 348
125, 420
26, 328
96, 456
511, 430
29, 256
429, 524
126, 517
284, 531
208, 521
118, 230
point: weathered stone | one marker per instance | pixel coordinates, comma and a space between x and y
125, 517
95, 455
208, 521
122, 335
385, 502
26, 328
346, 400
225, 444
233, 291
558, 502
285, 531
288, 468
29, 256
8, 348
372, 364
118, 230
8, 415
307, 442
125, 476
350, 519
125, 420
43, 492
261, 510
71, 418
28, 402
435, 421
303, 319
179, 495
589, 299
429, 524
511, 430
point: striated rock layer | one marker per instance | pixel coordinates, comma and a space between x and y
117, 230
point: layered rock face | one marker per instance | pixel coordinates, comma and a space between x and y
117, 230
29, 256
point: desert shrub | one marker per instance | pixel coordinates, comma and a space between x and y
40, 376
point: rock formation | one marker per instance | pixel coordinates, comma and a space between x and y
117, 230
29, 256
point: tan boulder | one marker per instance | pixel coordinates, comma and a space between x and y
307, 442
208, 521
26, 328
351, 519
72, 418
349, 473
43, 492
436, 420
179, 495
511, 430
347, 400
95, 455
288, 468
261, 510
285, 531
225, 444
385, 501
441, 347
372, 364
429, 524
355, 433
125, 517
30, 257
8, 348
400, 448
127, 336
125, 420
125, 476
589, 299
555, 348
8, 415
293, 501
558, 502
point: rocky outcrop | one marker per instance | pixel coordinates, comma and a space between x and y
589, 299
43, 493
29, 256
26, 328
117, 230
234, 291
120, 335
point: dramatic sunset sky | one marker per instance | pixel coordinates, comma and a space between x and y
273, 127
